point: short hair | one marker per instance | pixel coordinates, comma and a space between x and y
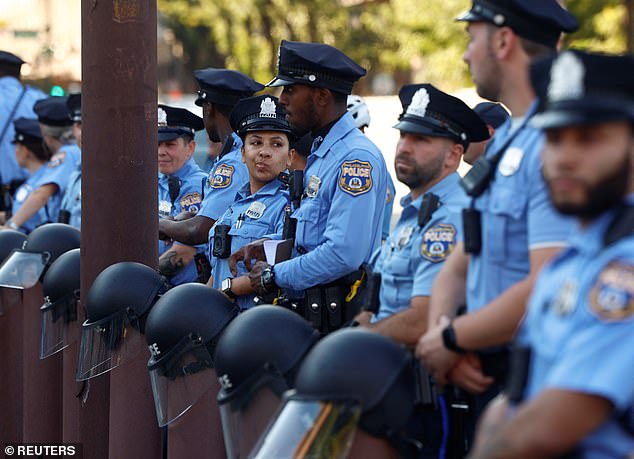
62, 133
530, 47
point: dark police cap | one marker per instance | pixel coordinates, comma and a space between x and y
259, 113
429, 111
541, 21
491, 113
8, 58
52, 111
174, 122
74, 107
27, 131
316, 64
577, 88
222, 86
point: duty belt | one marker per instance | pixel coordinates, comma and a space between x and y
331, 306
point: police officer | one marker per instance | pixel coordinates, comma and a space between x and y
435, 129
339, 220
510, 226
361, 114
261, 203
220, 90
65, 156
16, 101
578, 394
179, 188
30, 155
70, 210
494, 115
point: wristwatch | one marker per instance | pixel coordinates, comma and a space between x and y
267, 279
225, 287
449, 340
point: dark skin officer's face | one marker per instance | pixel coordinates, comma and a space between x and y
301, 108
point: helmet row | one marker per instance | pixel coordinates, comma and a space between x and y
264, 361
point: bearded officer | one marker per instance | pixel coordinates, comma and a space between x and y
575, 397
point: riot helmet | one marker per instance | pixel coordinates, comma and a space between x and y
256, 360
116, 308
61, 296
352, 379
10, 239
181, 331
26, 267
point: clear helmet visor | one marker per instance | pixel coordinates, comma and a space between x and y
244, 421
106, 344
23, 269
179, 379
59, 324
312, 429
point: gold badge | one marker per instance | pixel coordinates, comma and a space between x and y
438, 242
356, 177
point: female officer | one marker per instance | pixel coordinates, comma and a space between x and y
65, 156
259, 206
31, 155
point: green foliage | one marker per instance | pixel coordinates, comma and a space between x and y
602, 25
411, 40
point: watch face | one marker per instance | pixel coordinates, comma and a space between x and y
225, 286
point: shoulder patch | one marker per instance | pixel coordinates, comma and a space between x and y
438, 242
612, 296
57, 159
191, 202
222, 176
356, 177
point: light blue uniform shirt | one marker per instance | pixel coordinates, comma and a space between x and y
251, 217
517, 216
225, 179
411, 257
10, 90
580, 326
71, 201
61, 165
389, 205
340, 220
189, 200
23, 192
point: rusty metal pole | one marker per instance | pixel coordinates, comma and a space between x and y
119, 201
11, 365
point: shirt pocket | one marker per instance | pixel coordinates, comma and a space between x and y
505, 227
309, 228
248, 232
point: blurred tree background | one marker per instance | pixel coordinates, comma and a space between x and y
398, 41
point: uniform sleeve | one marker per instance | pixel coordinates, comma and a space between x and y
438, 241
546, 226
228, 177
597, 359
352, 226
58, 170
389, 205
